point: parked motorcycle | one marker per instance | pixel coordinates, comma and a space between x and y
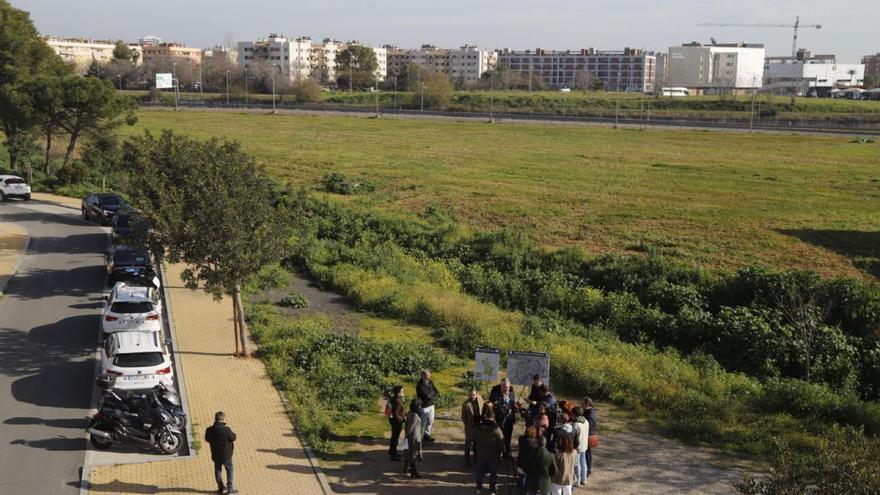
143, 403
111, 425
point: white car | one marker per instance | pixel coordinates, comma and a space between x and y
132, 308
138, 360
13, 186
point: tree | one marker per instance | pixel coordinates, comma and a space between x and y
307, 90
584, 81
807, 317
210, 207
48, 109
123, 52
356, 67
23, 55
438, 90
91, 104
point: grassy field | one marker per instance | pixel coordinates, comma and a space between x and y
717, 199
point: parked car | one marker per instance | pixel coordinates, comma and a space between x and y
132, 308
13, 186
125, 263
122, 225
138, 360
101, 207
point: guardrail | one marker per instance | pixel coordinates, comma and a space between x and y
842, 126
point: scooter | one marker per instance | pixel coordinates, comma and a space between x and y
112, 425
142, 404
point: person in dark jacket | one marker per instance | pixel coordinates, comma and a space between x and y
412, 455
489, 444
527, 442
590, 415
396, 418
540, 469
222, 441
504, 399
427, 394
535, 392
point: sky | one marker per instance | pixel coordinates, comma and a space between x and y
849, 32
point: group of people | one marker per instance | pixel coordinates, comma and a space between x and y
554, 453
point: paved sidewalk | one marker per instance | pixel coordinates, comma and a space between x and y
268, 457
12, 242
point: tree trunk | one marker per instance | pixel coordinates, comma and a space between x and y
48, 148
70, 147
235, 325
242, 328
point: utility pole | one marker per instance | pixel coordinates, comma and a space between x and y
176, 84
421, 90
227, 87
201, 84
752, 117
491, 97
245, 86
119, 76
377, 102
273, 87
350, 72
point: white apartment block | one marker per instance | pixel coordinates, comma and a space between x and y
302, 58
717, 67
809, 74
630, 69
465, 64
81, 52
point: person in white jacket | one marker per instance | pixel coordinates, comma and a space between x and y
583, 435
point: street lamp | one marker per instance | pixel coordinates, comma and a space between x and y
227, 86
176, 83
245, 85
273, 87
119, 76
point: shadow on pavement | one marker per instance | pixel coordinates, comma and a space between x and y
54, 444
43, 283
75, 423
137, 488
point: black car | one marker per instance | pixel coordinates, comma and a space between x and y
127, 264
122, 225
102, 207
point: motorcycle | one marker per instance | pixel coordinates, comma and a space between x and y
141, 404
111, 425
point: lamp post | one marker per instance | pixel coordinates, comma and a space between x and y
245, 85
201, 84
227, 86
421, 91
119, 76
176, 83
273, 87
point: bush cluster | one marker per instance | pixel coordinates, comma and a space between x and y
338, 183
294, 301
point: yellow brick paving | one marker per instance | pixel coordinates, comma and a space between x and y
268, 456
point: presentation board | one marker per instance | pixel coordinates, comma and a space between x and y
486, 364
164, 81
522, 366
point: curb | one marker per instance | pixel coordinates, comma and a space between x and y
313, 459
4, 281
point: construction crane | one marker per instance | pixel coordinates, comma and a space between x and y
797, 24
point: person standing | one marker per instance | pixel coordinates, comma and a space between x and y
427, 394
583, 429
540, 468
590, 415
221, 438
396, 417
412, 454
527, 442
566, 458
504, 399
489, 445
471, 410
535, 394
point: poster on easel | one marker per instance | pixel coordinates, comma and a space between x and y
486, 364
522, 366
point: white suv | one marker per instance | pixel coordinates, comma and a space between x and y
138, 360
13, 186
132, 308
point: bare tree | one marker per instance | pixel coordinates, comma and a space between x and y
806, 316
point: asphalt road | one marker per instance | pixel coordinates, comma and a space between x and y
48, 328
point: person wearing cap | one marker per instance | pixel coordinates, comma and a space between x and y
396, 417
489, 444
222, 441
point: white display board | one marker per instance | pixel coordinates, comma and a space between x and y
164, 81
522, 366
486, 364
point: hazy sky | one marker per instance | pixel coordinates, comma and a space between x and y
849, 30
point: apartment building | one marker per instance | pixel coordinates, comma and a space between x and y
811, 74
715, 68
220, 53
872, 69
81, 52
163, 51
301, 58
630, 69
465, 64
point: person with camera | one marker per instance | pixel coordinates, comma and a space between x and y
504, 399
471, 410
489, 445
427, 393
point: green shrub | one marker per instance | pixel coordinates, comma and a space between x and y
338, 183
295, 301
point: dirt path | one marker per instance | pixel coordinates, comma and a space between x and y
629, 461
